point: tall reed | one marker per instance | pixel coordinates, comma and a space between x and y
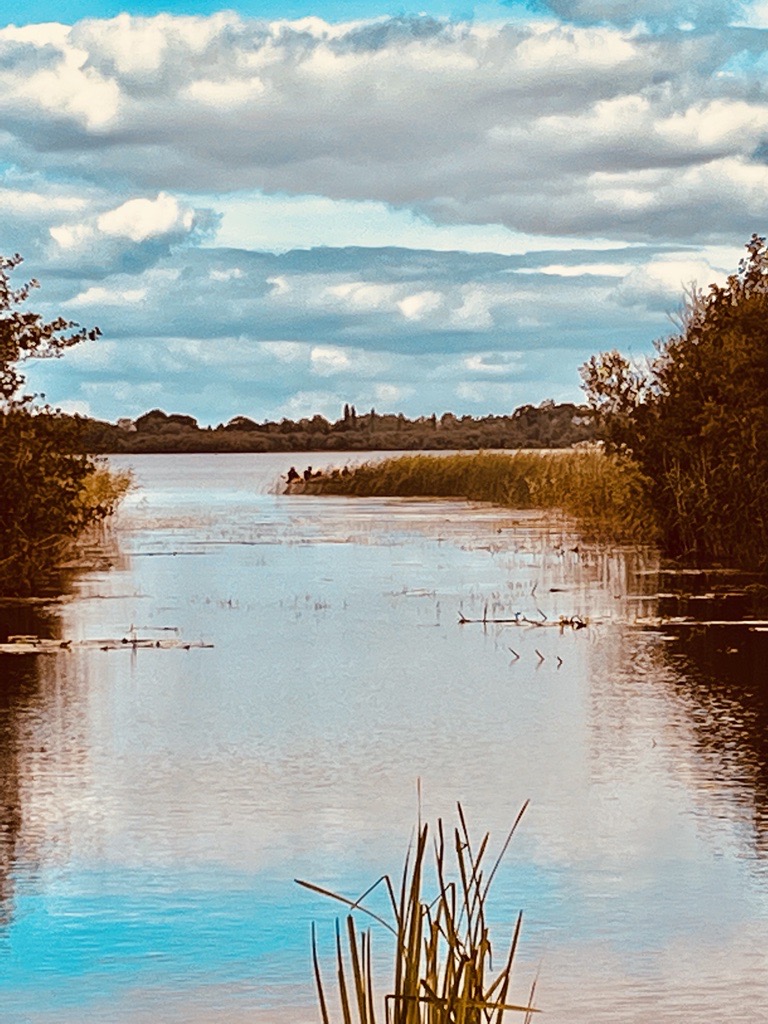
103, 489
605, 492
443, 969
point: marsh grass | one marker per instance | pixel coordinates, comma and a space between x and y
103, 490
606, 493
443, 959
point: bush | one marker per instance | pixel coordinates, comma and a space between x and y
51, 491
696, 420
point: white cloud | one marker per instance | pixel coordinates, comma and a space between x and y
491, 364
327, 360
98, 296
662, 283
20, 201
420, 305
579, 269
131, 235
231, 274
311, 403
528, 128
141, 219
280, 285
391, 394
362, 295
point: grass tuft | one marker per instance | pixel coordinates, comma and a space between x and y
103, 490
443, 971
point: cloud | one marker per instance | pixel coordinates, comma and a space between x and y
140, 219
455, 214
130, 236
662, 283
328, 360
656, 13
254, 345
570, 129
97, 296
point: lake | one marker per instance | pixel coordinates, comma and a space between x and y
157, 804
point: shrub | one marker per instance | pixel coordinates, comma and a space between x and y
696, 420
51, 491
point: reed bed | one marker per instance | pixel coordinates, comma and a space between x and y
103, 489
443, 969
606, 493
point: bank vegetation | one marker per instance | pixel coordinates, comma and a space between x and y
694, 420
53, 493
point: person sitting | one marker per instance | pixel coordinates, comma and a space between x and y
308, 473
292, 475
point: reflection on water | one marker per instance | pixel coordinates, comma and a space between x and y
156, 805
719, 676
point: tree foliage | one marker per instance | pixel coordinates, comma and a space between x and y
696, 419
44, 500
24, 334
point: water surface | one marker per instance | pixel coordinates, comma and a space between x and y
156, 805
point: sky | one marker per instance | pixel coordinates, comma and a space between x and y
275, 209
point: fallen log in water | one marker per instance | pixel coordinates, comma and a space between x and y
565, 621
23, 644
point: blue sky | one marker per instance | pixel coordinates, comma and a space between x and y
275, 209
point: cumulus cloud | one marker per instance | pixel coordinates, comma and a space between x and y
582, 129
256, 346
661, 284
604, 150
130, 236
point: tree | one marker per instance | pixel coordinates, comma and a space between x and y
47, 497
24, 334
697, 419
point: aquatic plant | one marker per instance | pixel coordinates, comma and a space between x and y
443, 958
605, 492
103, 489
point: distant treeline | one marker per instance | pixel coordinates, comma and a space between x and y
548, 425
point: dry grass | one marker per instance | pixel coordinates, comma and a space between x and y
104, 489
606, 493
443, 967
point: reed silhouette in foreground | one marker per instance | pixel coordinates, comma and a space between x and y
443, 964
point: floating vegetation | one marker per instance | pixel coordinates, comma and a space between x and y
443, 960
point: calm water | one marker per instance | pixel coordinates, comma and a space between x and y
155, 806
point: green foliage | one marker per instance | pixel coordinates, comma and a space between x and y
696, 421
443, 969
605, 492
51, 491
